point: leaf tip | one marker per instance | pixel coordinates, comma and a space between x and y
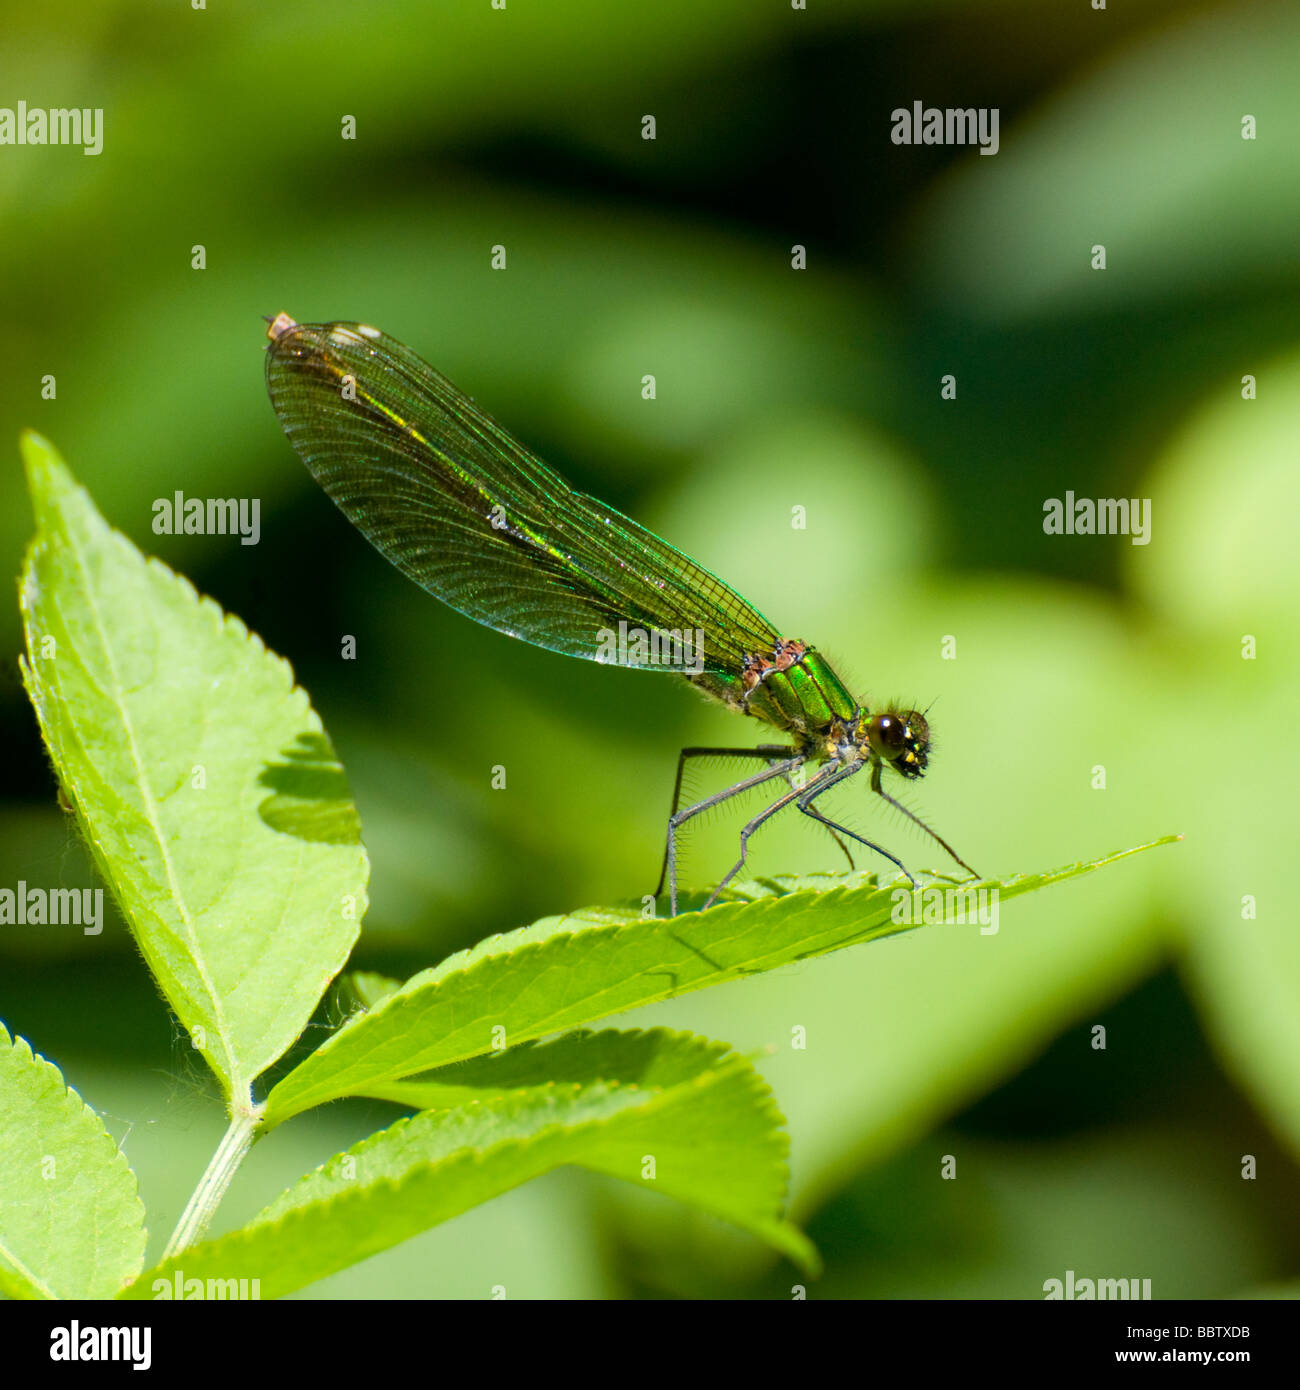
38, 454
47, 474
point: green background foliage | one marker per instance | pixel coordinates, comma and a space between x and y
776, 390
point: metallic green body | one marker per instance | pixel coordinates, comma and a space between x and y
803, 701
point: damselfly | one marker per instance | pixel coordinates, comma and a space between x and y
462, 508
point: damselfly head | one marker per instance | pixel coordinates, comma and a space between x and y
900, 738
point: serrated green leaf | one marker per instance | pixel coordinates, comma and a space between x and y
71, 1220
703, 1115
563, 972
201, 778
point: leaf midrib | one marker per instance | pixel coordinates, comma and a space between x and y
151, 812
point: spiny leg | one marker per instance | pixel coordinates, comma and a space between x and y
770, 752
809, 809
916, 820
794, 794
680, 817
830, 826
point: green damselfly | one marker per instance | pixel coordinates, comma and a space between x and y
462, 508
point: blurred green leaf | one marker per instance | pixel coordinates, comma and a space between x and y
1227, 487
1144, 155
1226, 573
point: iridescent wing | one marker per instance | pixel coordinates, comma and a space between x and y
462, 508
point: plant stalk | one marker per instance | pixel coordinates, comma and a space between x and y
203, 1203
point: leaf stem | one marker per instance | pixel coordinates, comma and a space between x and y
203, 1203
